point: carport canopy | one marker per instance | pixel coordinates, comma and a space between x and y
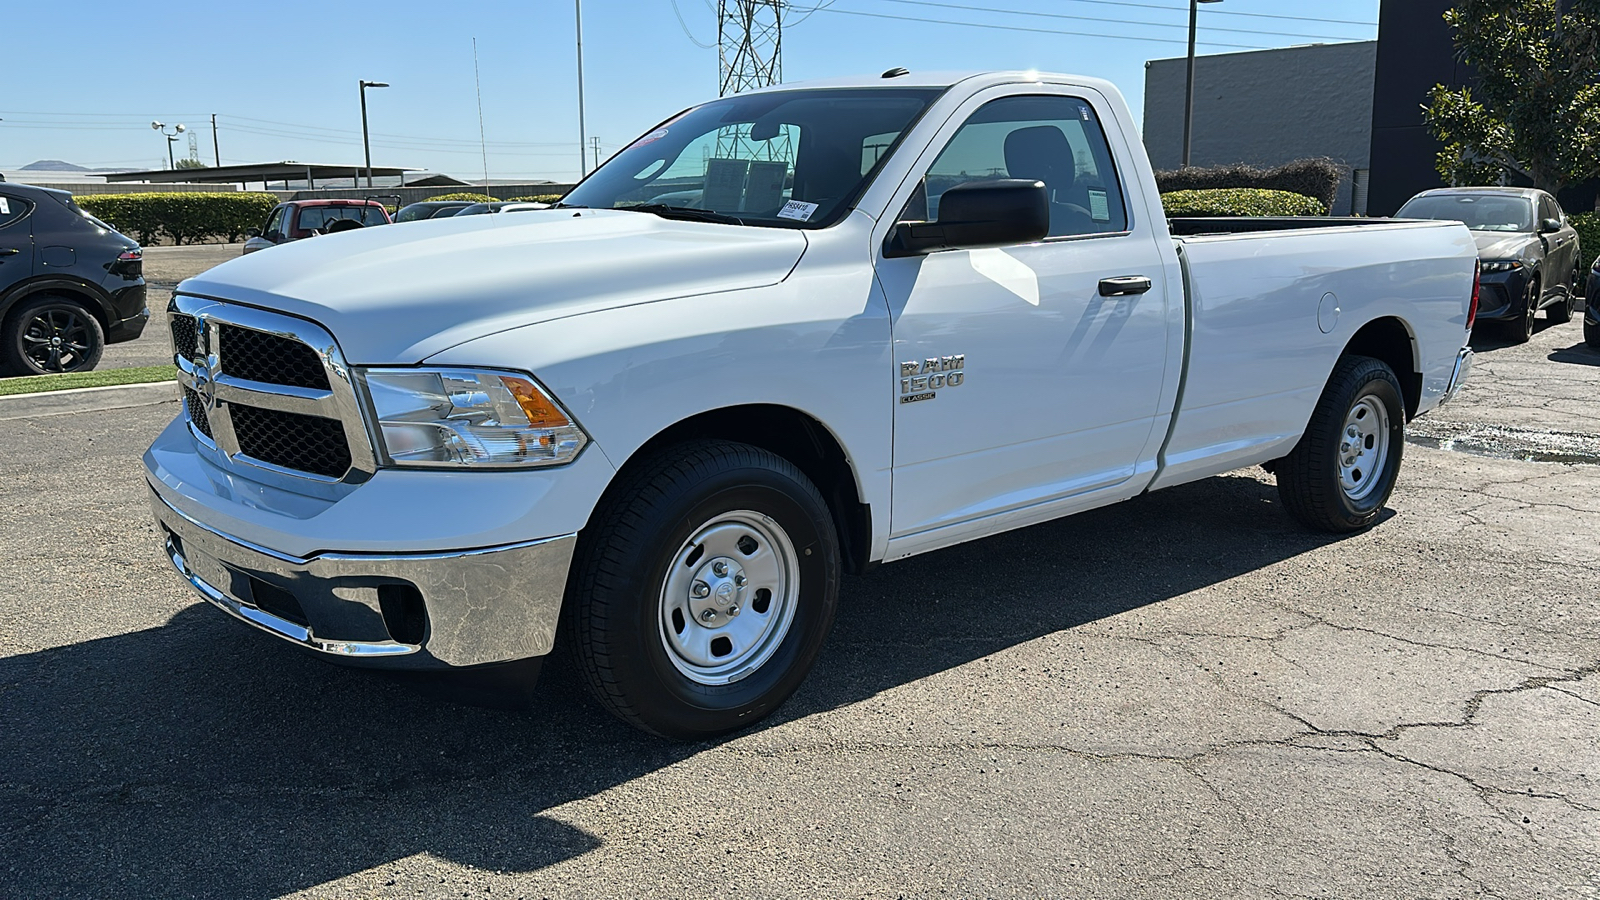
262, 172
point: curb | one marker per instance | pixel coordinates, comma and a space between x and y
91, 399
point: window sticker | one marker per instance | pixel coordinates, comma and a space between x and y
651, 138
764, 190
799, 210
5, 208
1099, 209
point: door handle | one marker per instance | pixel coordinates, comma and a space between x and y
9, 251
1124, 286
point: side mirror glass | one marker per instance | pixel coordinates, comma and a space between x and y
1549, 226
995, 212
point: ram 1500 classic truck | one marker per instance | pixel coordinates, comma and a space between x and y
783, 335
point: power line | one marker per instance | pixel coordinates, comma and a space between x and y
1114, 37
1045, 15
1225, 12
685, 26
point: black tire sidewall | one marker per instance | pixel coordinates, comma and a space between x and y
1377, 382
14, 356
663, 698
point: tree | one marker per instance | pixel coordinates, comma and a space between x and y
1535, 112
187, 163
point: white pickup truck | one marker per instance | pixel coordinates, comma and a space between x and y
784, 335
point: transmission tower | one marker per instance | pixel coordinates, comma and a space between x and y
194, 147
749, 44
750, 53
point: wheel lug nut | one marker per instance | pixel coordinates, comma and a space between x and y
708, 615
733, 611
739, 579
700, 589
719, 569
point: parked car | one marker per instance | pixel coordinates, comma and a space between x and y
430, 209
1528, 249
501, 206
669, 431
69, 284
1591, 307
299, 219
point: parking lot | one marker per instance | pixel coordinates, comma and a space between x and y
1181, 696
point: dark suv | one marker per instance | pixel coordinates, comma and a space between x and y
69, 284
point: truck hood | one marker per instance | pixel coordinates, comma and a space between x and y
1501, 245
397, 294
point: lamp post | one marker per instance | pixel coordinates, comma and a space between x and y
1188, 90
366, 145
171, 137
583, 139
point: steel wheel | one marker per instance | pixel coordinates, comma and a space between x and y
1363, 448
729, 598
57, 339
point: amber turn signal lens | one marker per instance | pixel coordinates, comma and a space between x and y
535, 405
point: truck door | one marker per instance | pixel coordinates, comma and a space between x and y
1026, 376
16, 240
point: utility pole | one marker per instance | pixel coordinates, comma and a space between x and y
583, 139
596, 143
216, 150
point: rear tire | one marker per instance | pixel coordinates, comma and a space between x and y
704, 591
1560, 313
1337, 479
49, 334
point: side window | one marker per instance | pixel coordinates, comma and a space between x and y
1548, 209
1056, 140
275, 221
12, 209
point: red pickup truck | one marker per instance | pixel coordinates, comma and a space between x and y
296, 219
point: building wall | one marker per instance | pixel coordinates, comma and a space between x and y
1266, 108
1415, 52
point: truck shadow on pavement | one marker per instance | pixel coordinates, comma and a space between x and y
200, 759
1579, 354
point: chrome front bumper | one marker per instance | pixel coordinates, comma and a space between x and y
410, 611
1459, 376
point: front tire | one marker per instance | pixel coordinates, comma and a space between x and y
1339, 476
1591, 334
704, 591
1520, 330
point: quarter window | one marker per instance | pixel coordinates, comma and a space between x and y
1056, 140
12, 209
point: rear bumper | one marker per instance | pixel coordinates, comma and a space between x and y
403, 611
1458, 377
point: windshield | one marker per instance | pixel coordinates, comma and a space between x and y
785, 158
415, 212
1480, 212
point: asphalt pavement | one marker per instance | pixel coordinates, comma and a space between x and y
1180, 696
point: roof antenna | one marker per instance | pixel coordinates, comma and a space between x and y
896, 72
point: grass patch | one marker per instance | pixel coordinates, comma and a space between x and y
31, 384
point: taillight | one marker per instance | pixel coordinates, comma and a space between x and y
1477, 284
135, 253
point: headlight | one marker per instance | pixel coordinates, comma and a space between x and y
1501, 265
468, 417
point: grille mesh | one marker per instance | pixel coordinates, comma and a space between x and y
258, 356
308, 443
197, 412
184, 336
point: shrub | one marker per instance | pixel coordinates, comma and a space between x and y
539, 198
184, 218
1588, 227
1240, 202
1317, 178
474, 198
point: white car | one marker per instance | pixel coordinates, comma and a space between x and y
904, 312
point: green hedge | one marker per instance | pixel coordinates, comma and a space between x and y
182, 218
1588, 227
475, 198
1319, 178
1240, 202
539, 198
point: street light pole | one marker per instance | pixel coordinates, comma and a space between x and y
366, 144
583, 139
1188, 90
176, 130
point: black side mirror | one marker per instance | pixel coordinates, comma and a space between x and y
991, 213
254, 232
274, 236
1549, 226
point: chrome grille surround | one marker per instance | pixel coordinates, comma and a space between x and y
204, 374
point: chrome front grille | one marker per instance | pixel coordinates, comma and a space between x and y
269, 391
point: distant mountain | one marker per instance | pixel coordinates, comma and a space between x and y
55, 165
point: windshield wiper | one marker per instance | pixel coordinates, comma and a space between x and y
666, 211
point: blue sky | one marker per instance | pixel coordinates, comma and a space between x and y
282, 78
